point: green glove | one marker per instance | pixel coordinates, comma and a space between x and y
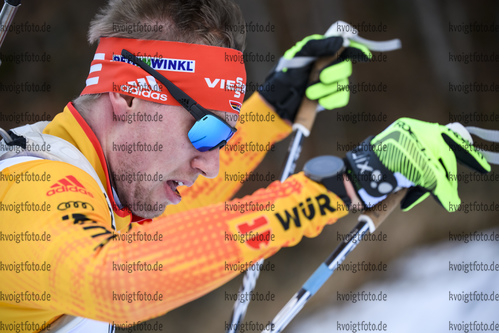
330, 89
425, 153
285, 87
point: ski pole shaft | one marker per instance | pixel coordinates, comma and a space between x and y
304, 121
7, 14
371, 218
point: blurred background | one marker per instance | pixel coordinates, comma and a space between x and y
426, 79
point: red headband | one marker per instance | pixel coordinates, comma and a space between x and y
206, 73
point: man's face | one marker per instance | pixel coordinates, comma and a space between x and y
146, 176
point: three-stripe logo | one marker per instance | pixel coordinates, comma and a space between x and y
68, 184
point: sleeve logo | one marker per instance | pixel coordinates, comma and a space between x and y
68, 184
256, 241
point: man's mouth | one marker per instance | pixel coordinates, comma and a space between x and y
172, 193
174, 184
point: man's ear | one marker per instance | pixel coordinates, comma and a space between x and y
121, 103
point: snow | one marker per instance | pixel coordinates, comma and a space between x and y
418, 297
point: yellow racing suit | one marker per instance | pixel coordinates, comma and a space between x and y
60, 253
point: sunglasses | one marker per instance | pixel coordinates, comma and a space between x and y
209, 131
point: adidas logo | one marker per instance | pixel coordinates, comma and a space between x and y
147, 87
68, 184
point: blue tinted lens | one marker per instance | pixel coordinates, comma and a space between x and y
209, 132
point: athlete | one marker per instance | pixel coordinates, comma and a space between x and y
103, 214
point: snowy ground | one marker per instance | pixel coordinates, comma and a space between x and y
418, 295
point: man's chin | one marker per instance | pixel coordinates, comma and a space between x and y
148, 210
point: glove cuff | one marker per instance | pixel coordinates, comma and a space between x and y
284, 90
371, 179
336, 185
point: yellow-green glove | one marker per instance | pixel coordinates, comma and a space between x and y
287, 84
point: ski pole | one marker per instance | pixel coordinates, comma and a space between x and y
301, 128
370, 220
9, 9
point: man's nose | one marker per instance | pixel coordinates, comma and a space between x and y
208, 163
